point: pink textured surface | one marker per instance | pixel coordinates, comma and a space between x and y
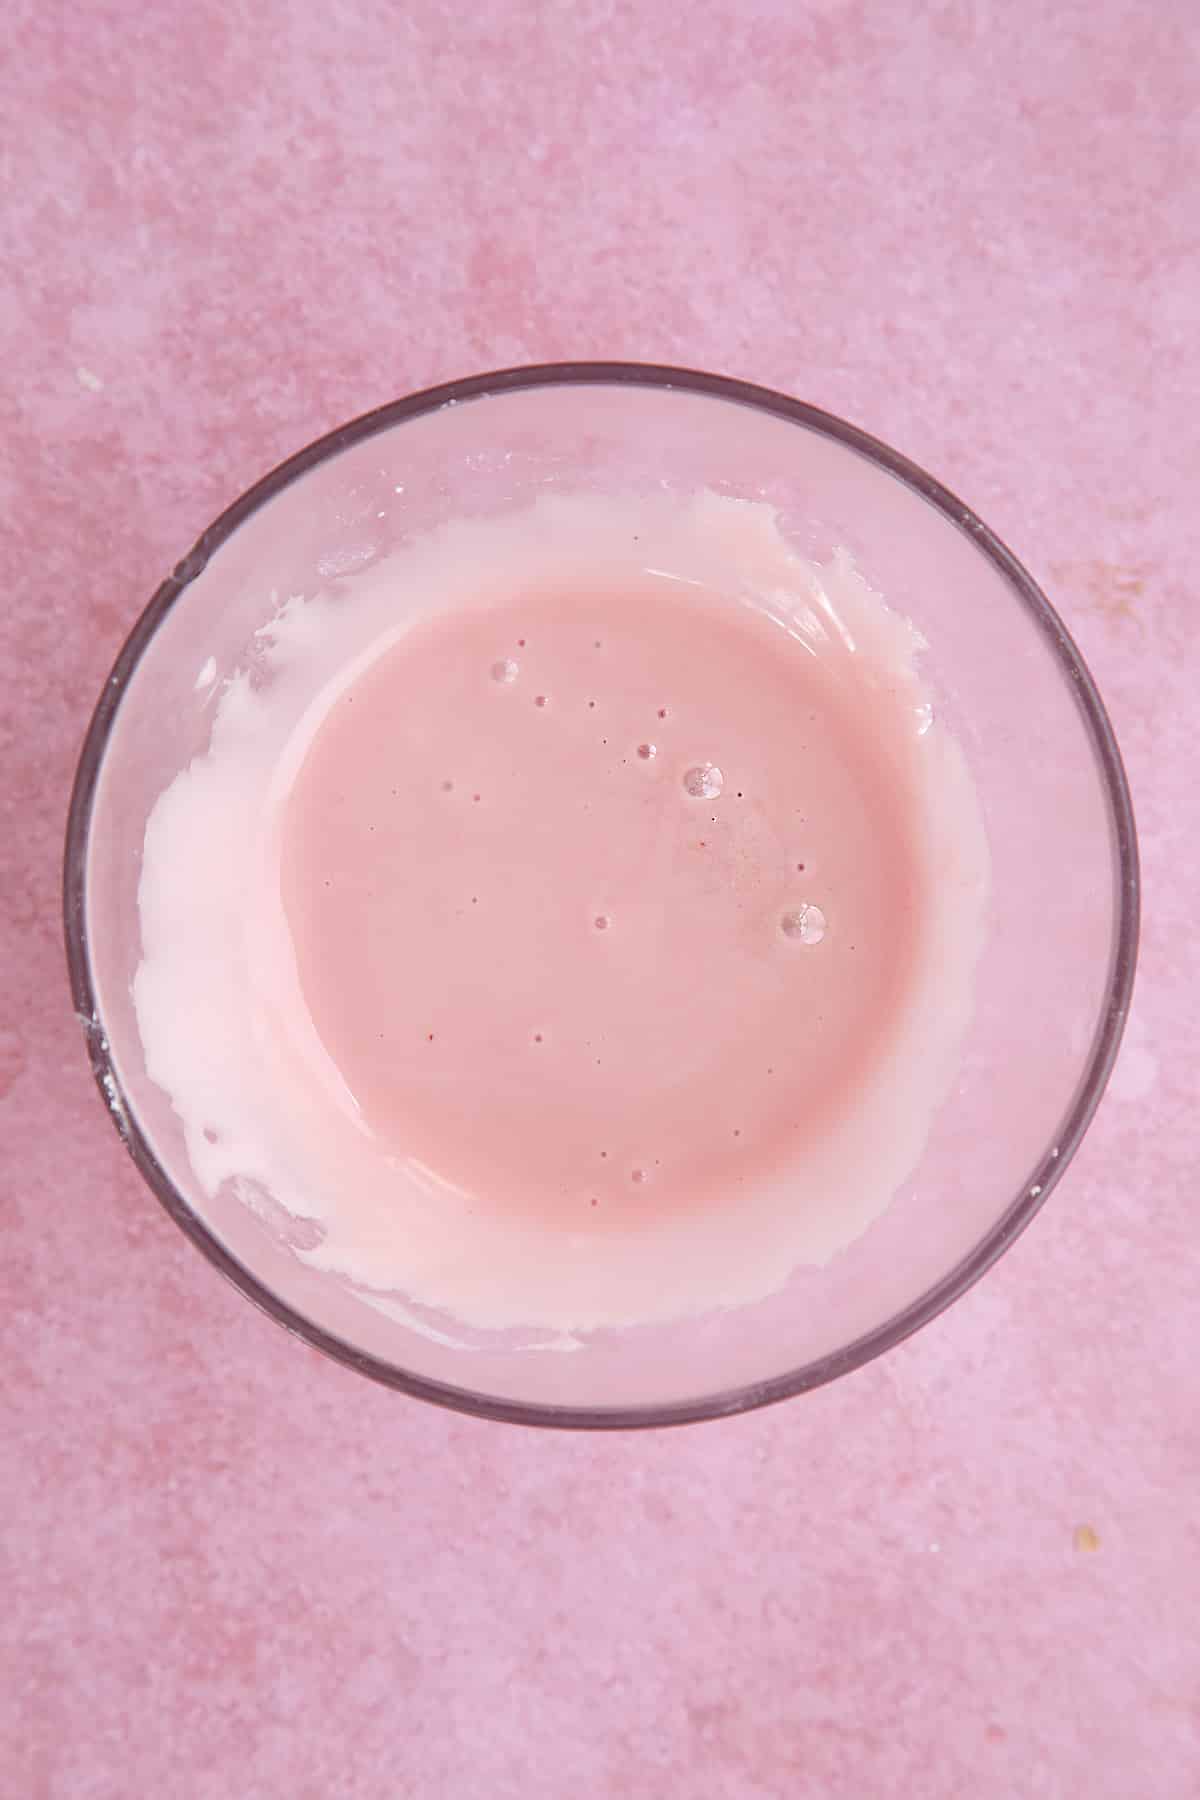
230, 1567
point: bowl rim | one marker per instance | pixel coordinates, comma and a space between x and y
1123, 952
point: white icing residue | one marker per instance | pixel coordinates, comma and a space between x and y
262, 1104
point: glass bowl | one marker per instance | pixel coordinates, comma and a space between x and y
1053, 984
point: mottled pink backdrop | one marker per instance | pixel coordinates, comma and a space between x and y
232, 1569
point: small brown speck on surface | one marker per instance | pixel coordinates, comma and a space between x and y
1112, 591
1086, 1538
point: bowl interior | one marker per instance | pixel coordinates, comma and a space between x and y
1052, 985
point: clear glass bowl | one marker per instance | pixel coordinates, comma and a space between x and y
1055, 978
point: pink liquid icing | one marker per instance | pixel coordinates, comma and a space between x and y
547, 970
605, 928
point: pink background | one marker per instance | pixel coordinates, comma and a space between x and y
231, 1568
